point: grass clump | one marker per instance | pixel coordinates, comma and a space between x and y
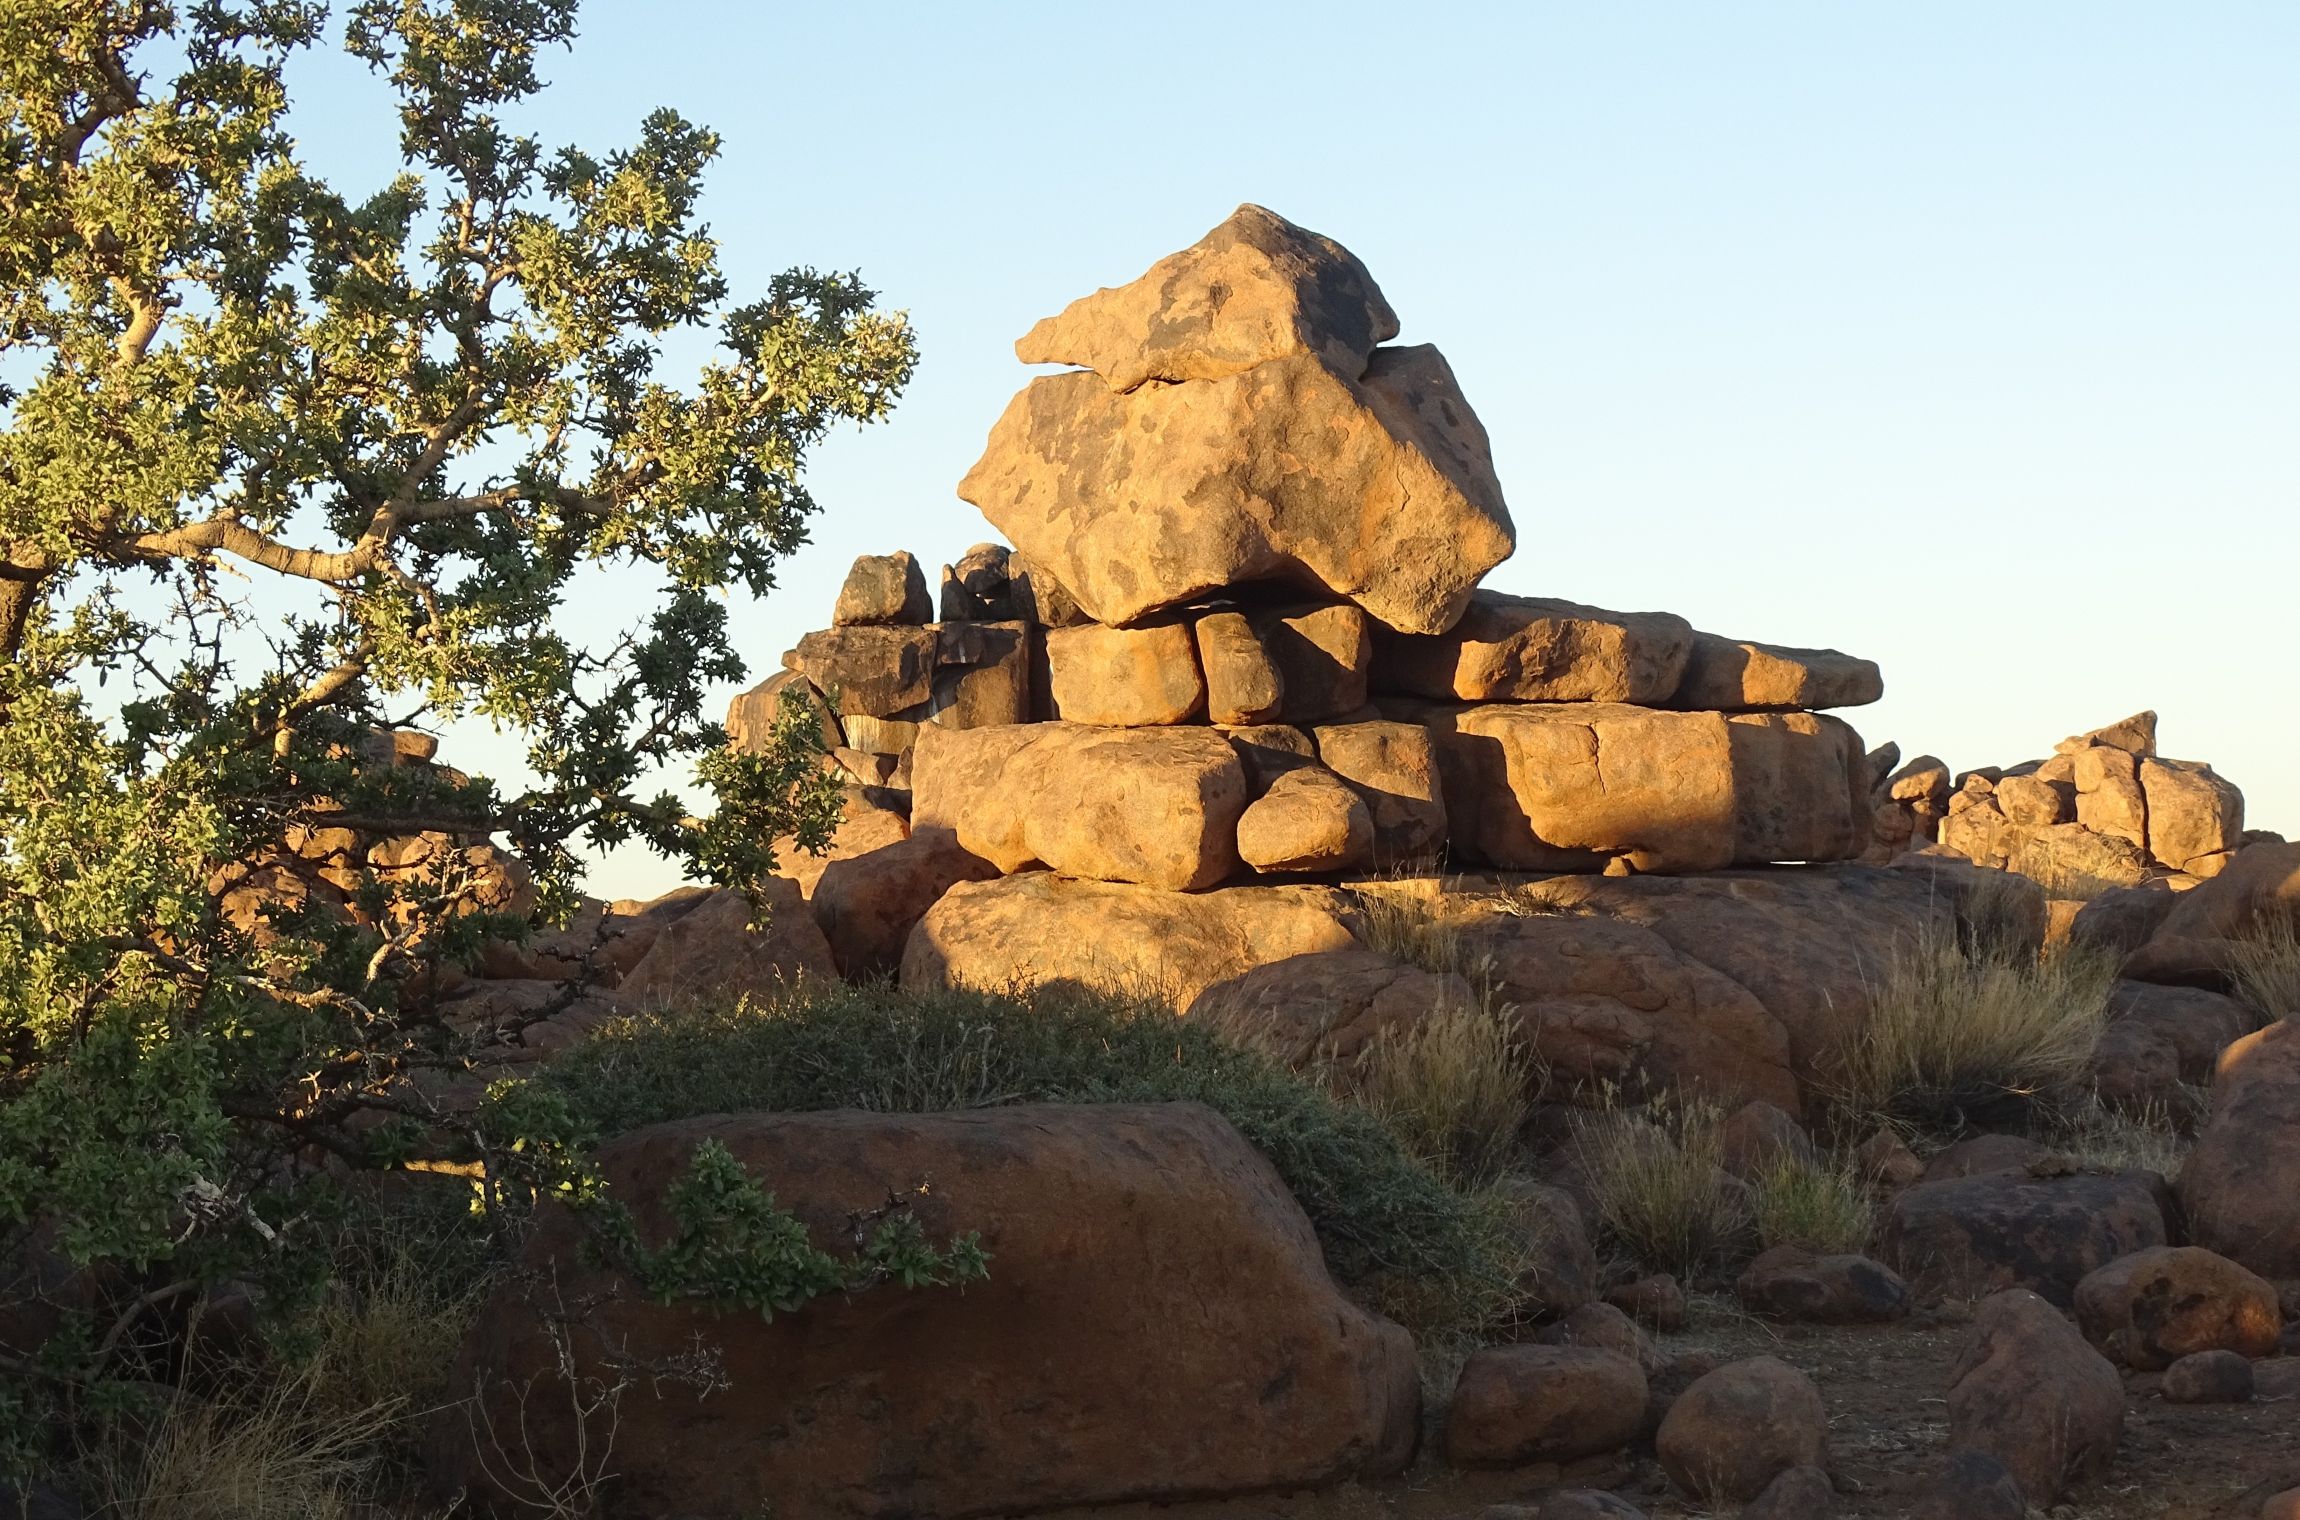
1975, 1032
280, 1449
1455, 1086
2264, 963
1820, 1205
1658, 1181
1404, 927
2151, 1138
1380, 1214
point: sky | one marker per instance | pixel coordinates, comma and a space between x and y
1964, 337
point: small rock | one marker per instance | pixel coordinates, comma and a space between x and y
1734, 1431
1800, 1493
1972, 1486
1519, 1404
1790, 1282
2030, 1392
1886, 1160
2278, 1378
883, 588
1758, 1136
1657, 1301
1607, 1328
2208, 1377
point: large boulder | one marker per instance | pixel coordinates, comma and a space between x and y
1792, 1283
2161, 1041
883, 588
1254, 289
2192, 945
715, 951
2029, 1392
1575, 786
2151, 1308
1378, 487
1324, 1008
1963, 1237
1158, 806
1038, 929
2194, 813
1736, 1429
1514, 1405
991, 1400
1536, 649
1739, 676
2241, 1184
872, 671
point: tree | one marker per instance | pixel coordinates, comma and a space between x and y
281, 468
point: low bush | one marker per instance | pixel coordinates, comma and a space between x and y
1382, 1216
1820, 1205
1657, 1179
1455, 1086
1974, 1032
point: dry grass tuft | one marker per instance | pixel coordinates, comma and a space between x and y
1963, 1032
1658, 1181
1412, 929
284, 1452
1820, 1205
2264, 962
1455, 1086
2152, 1138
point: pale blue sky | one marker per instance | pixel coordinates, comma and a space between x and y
1965, 337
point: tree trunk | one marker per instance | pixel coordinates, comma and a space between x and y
19, 588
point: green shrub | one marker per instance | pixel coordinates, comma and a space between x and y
1820, 1205
1379, 1214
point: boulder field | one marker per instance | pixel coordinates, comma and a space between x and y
1232, 707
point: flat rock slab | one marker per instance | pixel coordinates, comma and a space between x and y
1740, 675
1537, 649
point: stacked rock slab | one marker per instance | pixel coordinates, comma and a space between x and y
1240, 633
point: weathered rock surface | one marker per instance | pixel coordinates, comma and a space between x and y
751, 716
1393, 767
1518, 1404
1038, 929
1559, 1271
1536, 649
1571, 786
1738, 1428
1376, 487
883, 588
984, 675
2193, 812
1321, 654
1735, 675
2029, 1392
1324, 1007
2160, 1041
2108, 795
2151, 1308
980, 587
1256, 288
1307, 821
876, 672
1792, 1283
2191, 946
867, 903
1124, 677
1158, 806
711, 952
2241, 1184
1964, 1237
2135, 735
1759, 1136
1177, 1255
1243, 687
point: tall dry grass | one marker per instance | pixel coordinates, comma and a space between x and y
1822, 1205
1975, 1029
282, 1450
1455, 1086
1412, 929
2264, 963
1657, 1178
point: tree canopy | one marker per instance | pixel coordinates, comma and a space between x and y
281, 466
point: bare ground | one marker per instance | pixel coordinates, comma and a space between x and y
1884, 1390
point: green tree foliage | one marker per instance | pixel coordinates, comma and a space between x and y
279, 466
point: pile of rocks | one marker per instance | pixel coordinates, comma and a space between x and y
2106, 810
1240, 635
